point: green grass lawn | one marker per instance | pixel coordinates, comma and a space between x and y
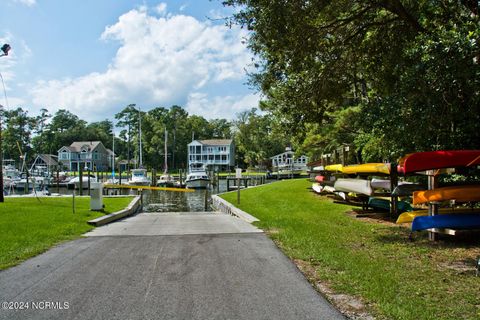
395, 277
29, 226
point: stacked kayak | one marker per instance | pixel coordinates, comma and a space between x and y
431, 160
367, 168
359, 186
465, 193
407, 217
451, 221
383, 203
434, 163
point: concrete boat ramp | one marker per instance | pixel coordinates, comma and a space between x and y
164, 266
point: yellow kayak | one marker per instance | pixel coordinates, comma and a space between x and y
407, 217
383, 168
334, 168
464, 193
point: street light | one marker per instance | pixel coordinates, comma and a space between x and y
5, 48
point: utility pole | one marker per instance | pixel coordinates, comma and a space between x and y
1, 156
5, 49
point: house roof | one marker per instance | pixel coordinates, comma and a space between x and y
110, 152
49, 159
216, 142
77, 145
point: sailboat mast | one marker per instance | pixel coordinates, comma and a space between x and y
140, 135
166, 163
113, 158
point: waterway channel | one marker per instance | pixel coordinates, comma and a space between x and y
164, 201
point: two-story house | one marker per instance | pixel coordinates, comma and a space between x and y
214, 154
85, 154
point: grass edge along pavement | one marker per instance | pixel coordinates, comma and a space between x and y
394, 277
30, 226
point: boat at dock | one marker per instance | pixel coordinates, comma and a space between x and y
197, 177
139, 178
75, 182
166, 180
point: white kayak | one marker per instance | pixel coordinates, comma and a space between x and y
385, 184
317, 188
354, 185
328, 189
380, 184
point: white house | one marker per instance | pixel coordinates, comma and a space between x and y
288, 161
214, 154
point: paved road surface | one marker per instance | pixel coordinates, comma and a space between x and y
176, 266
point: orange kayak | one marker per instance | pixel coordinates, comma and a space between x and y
458, 193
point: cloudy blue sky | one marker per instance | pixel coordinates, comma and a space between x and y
94, 57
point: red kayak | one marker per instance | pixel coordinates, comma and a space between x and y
320, 178
430, 160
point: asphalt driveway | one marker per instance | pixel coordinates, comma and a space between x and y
178, 266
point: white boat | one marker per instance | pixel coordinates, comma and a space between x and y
10, 175
75, 182
354, 185
166, 180
197, 178
139, 178
112, 181
139, 175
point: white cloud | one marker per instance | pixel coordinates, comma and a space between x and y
161, 61
161, 9
29, 3
220, 106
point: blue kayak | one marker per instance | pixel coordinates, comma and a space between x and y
451, 221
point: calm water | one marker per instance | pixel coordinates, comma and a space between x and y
165, 201
168, 201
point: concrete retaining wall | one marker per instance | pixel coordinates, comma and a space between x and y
226, 207
132, 208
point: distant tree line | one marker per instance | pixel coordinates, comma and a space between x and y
254, 134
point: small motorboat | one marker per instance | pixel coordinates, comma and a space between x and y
197, 178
